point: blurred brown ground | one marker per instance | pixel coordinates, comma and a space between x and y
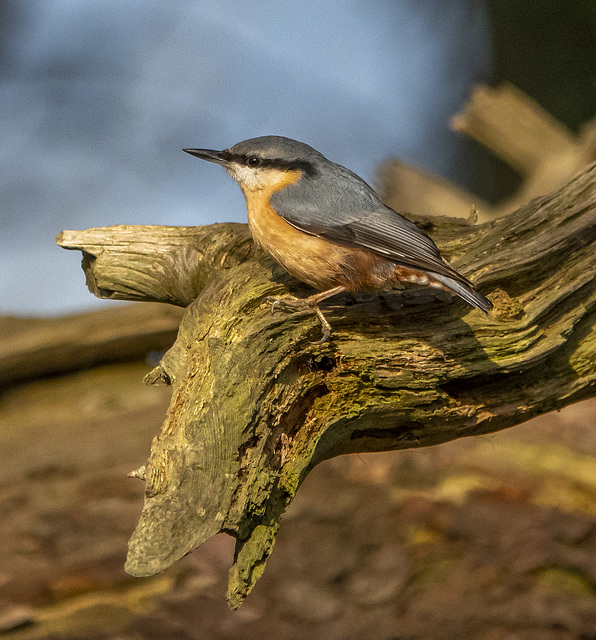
491, 538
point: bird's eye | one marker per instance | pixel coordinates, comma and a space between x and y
253, 162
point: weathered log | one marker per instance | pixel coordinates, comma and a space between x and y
255, 407
528, 138
486, 516
516, 129
35, 347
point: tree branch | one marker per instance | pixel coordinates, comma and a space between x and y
528, 138
35, 347
514, 126
255, 407
516, 129
157, 263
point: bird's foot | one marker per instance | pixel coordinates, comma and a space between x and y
291, 303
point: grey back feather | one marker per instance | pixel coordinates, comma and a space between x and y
336, 204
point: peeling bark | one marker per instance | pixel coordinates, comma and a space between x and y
255, 407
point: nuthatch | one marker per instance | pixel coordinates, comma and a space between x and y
327, 227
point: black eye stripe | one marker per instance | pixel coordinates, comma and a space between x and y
275, 163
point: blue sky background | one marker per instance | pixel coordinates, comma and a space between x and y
98, 99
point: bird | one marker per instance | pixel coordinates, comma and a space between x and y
328, 228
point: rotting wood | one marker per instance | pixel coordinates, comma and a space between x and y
255, 407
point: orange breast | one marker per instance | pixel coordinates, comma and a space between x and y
308, 258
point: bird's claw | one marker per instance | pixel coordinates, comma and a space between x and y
284, 304
323, 338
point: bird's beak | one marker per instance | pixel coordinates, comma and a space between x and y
207, 154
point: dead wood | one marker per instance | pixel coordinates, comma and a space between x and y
517, 130
34, 347
255, 407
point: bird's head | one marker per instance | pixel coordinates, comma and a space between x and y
265, 163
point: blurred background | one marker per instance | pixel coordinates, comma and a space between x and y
491, 538
97, 100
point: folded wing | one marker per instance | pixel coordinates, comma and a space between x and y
343, 208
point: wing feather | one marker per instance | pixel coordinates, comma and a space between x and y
340, 206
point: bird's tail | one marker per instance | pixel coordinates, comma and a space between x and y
465, 291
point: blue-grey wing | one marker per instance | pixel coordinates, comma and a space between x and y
340, 206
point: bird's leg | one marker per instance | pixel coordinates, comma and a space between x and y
291, 303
